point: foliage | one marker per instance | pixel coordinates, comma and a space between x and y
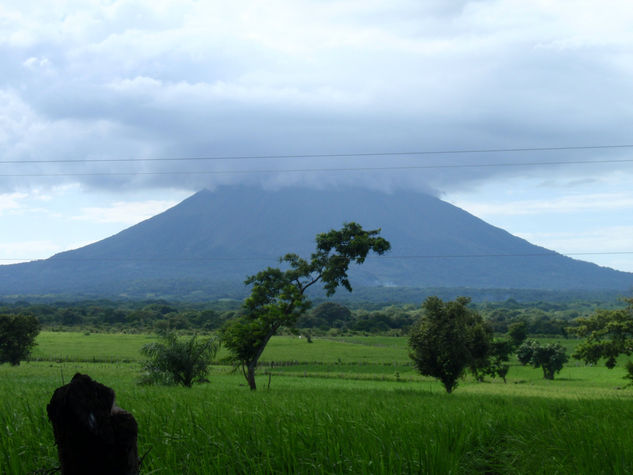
517, 332
278, 296
326, 315
499, 356
449, 338
500, 350
480, 347
629, 372
178, 361
17, 337
368, 313
539, 317
551, 357
608, 334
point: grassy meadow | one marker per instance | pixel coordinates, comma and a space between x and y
340, 405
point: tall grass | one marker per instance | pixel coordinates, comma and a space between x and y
353, 421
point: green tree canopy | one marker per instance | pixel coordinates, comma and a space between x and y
278, 296
499, 356
449, 338
331, 312
17, 337
607, 333
551, 357
517, 331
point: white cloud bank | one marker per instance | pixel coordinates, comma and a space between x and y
93, 80
124, 212
585, 203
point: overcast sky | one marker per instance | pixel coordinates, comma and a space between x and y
84, 83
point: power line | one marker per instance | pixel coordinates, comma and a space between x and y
527, 254
327, 155
270, 258
307, 170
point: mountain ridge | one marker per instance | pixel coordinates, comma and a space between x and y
217, 238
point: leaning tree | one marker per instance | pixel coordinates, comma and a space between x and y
278, 297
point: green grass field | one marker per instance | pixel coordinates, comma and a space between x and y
348, 405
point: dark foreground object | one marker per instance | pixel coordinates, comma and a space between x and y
92, 434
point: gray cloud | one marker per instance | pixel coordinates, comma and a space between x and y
136, 80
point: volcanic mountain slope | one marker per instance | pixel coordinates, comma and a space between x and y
215, 239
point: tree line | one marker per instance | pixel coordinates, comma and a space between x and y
324, 318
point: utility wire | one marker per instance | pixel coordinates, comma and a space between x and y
263, 258
305, 170
327, 155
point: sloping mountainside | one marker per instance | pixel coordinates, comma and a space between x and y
211, 241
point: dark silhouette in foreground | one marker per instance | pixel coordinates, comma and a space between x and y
92, 434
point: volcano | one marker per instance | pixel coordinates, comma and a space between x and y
211, 241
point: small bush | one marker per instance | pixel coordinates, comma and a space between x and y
178, 361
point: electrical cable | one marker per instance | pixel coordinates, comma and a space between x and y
270, 258
328, 155
308, 170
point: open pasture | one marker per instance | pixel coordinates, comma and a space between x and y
352, 406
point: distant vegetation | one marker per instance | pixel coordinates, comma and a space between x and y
326, 318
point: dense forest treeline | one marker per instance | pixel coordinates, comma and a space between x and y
182, 291
325, 317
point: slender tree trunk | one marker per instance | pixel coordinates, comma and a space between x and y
252, 364
548, 373
250, 375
